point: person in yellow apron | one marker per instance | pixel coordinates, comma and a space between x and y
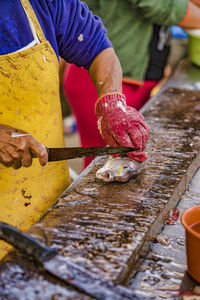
30, 104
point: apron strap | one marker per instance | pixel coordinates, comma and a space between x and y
29, 10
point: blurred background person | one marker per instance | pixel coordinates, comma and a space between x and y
178, 50
178, 46
140, 33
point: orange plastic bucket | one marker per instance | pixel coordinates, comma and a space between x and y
190, 220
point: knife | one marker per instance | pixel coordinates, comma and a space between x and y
55, 154
64, 269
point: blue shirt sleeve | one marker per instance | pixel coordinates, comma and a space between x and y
80, 35
84, 37
72, 30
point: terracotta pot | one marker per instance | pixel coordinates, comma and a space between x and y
190, 217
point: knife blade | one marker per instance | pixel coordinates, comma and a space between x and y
63, 268
56, 154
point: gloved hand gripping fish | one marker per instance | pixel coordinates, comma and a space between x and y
120, 124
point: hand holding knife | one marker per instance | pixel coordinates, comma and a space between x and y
57, 154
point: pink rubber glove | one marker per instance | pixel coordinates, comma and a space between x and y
121, 125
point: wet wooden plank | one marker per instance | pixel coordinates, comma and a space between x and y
21, 279
106, 227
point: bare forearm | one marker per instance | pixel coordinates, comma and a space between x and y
193, 19
196, 2
118, 123
106, 73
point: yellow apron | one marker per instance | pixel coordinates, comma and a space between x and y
29, 100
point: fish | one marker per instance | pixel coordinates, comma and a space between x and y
119, 168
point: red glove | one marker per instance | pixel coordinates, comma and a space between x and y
121, 125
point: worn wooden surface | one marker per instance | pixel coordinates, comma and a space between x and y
106, 227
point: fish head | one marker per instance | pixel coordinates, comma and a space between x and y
120, 168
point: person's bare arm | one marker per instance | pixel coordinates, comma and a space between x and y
192, 20
118, 123
196, 2
106, 73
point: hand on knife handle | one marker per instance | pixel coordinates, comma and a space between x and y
58, 154
17, 146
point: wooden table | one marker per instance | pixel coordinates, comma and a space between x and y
108, 228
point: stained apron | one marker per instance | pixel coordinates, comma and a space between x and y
29, 100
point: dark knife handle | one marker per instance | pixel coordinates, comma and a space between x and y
25, 243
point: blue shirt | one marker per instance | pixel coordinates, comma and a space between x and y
62, 21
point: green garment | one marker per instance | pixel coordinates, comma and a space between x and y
130, 27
